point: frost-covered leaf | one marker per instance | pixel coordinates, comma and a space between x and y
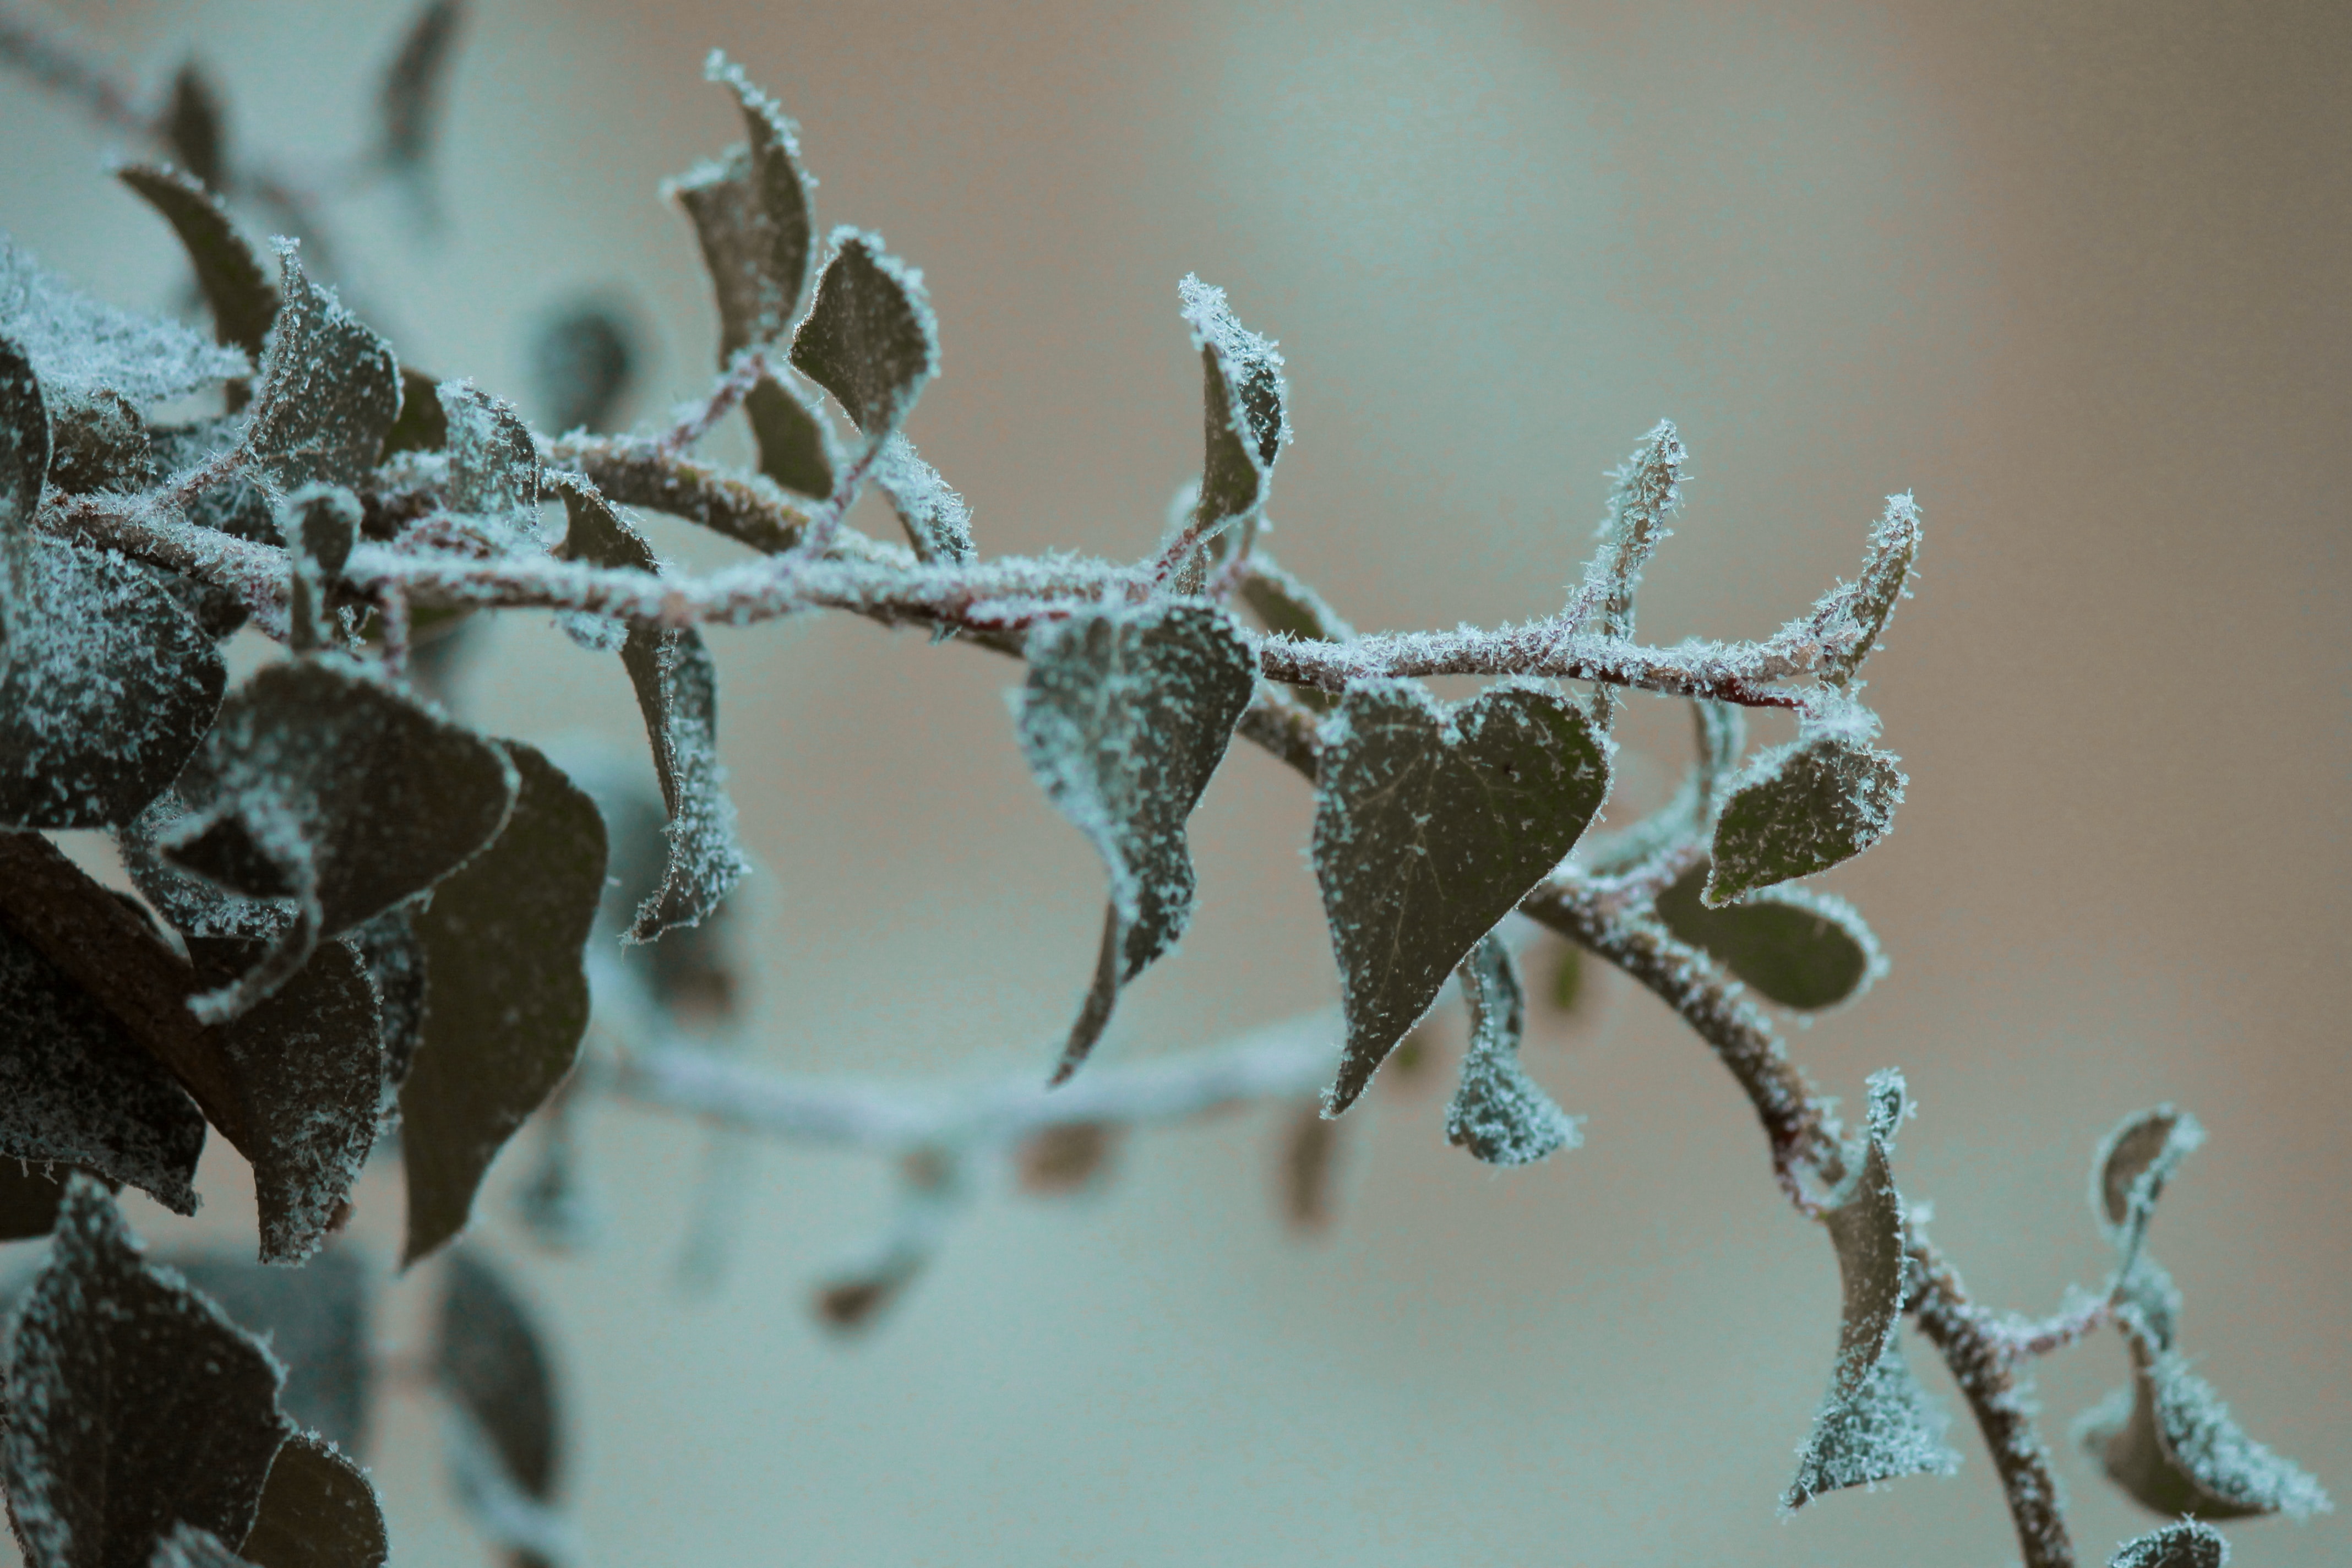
936, 522
409, 102
23, 445
1854, 615
506, 995
75, 1088
796, 440
193, 126
1801, 808
1243, 406
305, 1066
1063, 1158
133, 1403
329, 388
2133, 1162
1647, 490
320, 524
1126, 713
315, 1321
1877, 1424
490, 1359
583, 362
2191, 1543
98, 442
29, 1195
1799, 948
1499, 1114
1431, 824
322, 784
243, 300
77, 345
749, 208
677, 692
394, 956
494, 469
2170, 1441
869, 337
317, 1511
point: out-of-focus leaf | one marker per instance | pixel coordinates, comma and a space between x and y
936, 522
2133, 1162
869, 337
185, 1546
421, 427
329, 389
243, 300
394, 955
931, 1189
1499, 1114
317, 1511
677, 684
749, 208
316, 1322
1799, 809
1066, 1157
414, 83
77, 345
24, 444
1431, 824
2191, 1543
582, 360
1126, 713
1799, 948
1878, 1423
490, 1359
1243, 406
192, 127
1567, 987
506, 995
1310, 1146
164, 1411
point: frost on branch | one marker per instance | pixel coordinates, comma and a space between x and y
869, 337
1648, 490
1126, 713
329, 389
243, 300
1877, 1424
1431, 824
506, 995
2191, 1543
936, 522
1498, 1114
677, 693
1243, 409
1801, 949
77, 346
133, 1404
1803, 808
317, 1510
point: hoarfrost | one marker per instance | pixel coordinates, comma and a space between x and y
869, 337
228, 273
1887, 1428
936, 522
1431, 824
493, 462
1803, 808
2133, 1162
1243, 402
1499, 1113
1126, 713
77, 345
2191, 1543
749, 209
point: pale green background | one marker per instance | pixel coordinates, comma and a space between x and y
2073, 273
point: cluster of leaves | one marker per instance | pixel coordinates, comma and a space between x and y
362, 918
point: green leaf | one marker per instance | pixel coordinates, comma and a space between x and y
1126, 713
795, 440
157, 1408
192, 127
869, 337
2191, 1543
677, 684
1801, 949
490, 1359
29, 1195
1498, 1114
1242, 406
1567, 987
506, 996
316, 1322
1800, 809
421, 427
2133, 1162
236, 289
1878, 1423
329, 389
749, 209
494, 469
408, 105
317, 1511
1431, 824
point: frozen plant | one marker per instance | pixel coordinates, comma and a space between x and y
360, 915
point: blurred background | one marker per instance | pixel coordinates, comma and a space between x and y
2072, 274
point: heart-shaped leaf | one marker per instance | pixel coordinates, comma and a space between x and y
2191, 1543
1431, 824
490, 1359
677, 684
1126, 713
1878, 1423
869, 338
316, 1322
506, 995
1242, 406
242, 299
135, 1404
1499, 1113
1801, 949
1800, 809
317, 1511
329, 389
77, 345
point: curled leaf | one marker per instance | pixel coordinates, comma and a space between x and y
869, 337
1887, 1428
243, 300
506, 995
1799, 948
1800, 809
749, 209
329, 389
1852, 617
1431, 824
1126, 714
317, 1510
1243, 410
1498, 1114
936, 522
1647, 491
2133, 1162
193, 126
491, 1361
2191, 1543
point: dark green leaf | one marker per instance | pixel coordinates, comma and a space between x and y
494, 469
160, 1410
1126, 713
421, 427
2191, 1543
1431, 824
796, 444
1242, 412
394, 957
24, 444
582, 360
677, 692
329, 389
490, 1359
869, 338
1800, 809
315, 1321
416, 81
98, 442
1801, 949
28, 1199
237, 291
321, 524
317, 1511
193, 131
1499, 1114
749, 209
1888, 1428
506, 995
